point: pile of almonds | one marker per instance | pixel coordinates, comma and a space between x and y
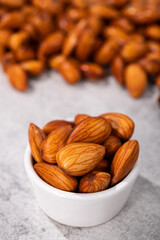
80, 38
88, 155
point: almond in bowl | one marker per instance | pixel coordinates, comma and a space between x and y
83, 171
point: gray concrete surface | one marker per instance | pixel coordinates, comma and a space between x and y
50, 97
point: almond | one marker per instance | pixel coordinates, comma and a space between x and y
70, 71
106, 52
95, 181
85, 44
4, 36
135, 79
51, 45
24, 53
53, 175
124, 24
151, 66
124, 160
117, 34
17, 77
133, 50
77, 159
76, 14
33, 67
36, 137
54, 142
91, 129
13, 4
55, 61
80, 117
12, 20
53, 125
72, 39
153, 31
117, 68
104, 12
112, 144
92, 71
7, 59
103, 165
18, 39
153, 46
122, 125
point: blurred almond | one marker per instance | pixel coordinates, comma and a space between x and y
153, 32
116, 33
95, 24
76, 14
85, 45
53, 125
135, 79
106, 52
72, 38
54, 142
4, 36
103, 165
104, 12
48, 5
121, 124
54, 176
7, 59
112, 144
95, 181
124, 24
36, 137
92, 71
133, 50
117, 68
24, 53
153, 46
33, 67
91, 130
124, 160
80, 117
55, 61
12, 20
150, 66
77, 159
51, 45
17, 77
70, 71
18, 39
13, 4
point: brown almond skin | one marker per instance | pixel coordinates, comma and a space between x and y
151, 66
133, 50
106, 52
85, 45
153, 31
77, 159
24, 53
95, 181
54, 142
79, 117
17, 77
104, 12
91, 130
117, 68
121, 124
124, 160
112, 144
33, 67
92, 71
55, 61
51, 45
70, 71
36, 137
53, 175
7, 59
103, 165
18, 39
135, 79
117, 34
53, 125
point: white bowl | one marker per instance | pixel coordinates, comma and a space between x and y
79, 209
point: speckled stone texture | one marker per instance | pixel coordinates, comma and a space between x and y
49, 97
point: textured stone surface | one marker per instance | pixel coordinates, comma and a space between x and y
50, 97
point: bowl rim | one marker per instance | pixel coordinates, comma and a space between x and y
34, 178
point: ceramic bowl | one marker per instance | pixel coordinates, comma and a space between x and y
79, 209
